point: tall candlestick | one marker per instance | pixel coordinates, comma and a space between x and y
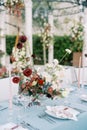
10, 88
83, 70
79, 72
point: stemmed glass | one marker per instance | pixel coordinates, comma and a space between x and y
21, 110
10, 115
26, 101
69, 83
19, 115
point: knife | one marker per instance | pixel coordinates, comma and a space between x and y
16, 126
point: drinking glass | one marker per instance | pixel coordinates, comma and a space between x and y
26, 101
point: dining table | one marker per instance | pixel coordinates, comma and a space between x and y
36, 117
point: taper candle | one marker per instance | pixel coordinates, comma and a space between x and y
10, 88
79, 72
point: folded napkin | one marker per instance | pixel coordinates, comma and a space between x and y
11, 126
63, 112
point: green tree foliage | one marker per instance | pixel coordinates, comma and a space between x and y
60, 44
10, 42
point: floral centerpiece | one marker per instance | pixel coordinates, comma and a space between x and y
46, 39
77, 36
46, 35
31, 81
54, 73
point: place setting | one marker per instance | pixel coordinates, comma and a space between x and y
62, 112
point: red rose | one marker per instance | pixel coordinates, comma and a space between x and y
23, 38
27, 72
40, 81
19, 45
16, 79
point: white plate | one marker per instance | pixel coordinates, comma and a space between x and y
62, 112
83, 97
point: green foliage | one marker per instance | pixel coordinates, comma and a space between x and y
60, 44
37, 49
77, 37
10, 42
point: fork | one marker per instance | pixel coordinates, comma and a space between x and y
27, 125
44, 116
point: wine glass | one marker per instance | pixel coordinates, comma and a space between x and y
26, 100
10, 115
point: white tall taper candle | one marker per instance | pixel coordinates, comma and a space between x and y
79, 72
10, 88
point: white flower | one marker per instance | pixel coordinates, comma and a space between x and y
55, 73
55, 62
34, 83
47, 76
65, 93
56, 86
68, 51
22, 53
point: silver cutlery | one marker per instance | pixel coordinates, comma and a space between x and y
78, 109
46, 117
3, 108
28, 125
75, 107
16, 126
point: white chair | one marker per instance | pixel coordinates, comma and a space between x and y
5, 89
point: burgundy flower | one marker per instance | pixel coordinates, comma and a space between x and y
33, 55
85, 55
19, 45
16, 79
27, 72
23, 38
40, 81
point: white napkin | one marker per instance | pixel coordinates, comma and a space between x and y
63, 112
84, 97
11, 125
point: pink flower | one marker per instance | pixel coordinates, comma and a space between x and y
4, 69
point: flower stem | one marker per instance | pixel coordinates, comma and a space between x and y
62, 58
